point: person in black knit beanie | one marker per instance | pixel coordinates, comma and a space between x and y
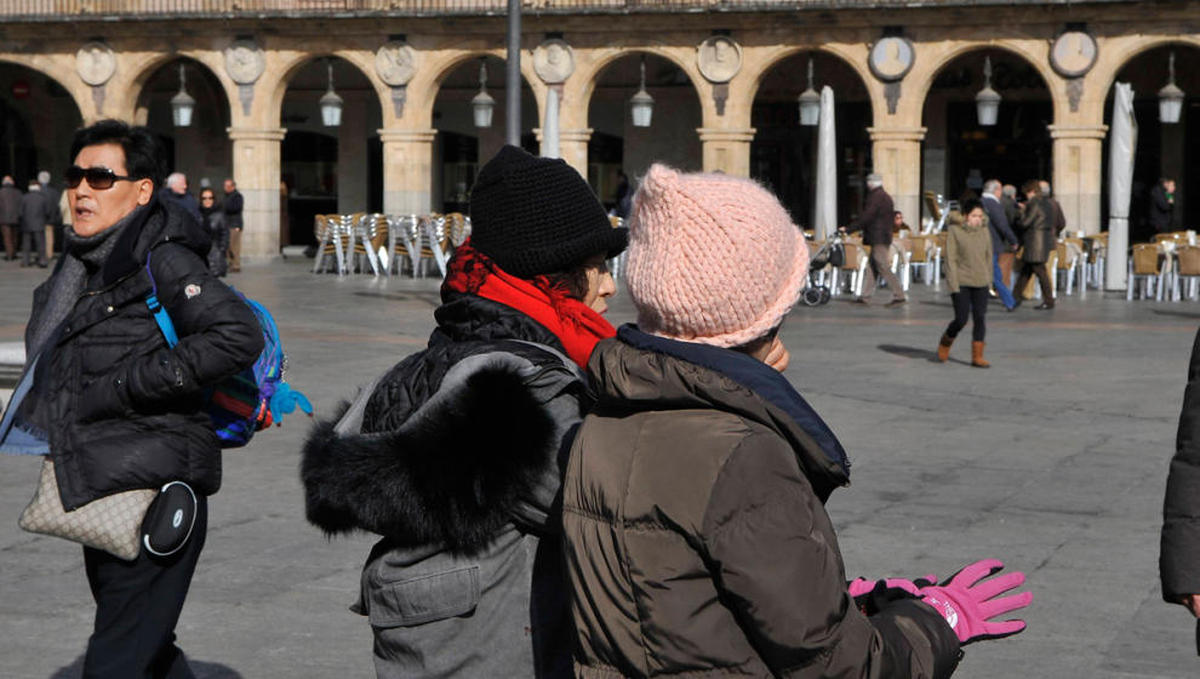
535, 216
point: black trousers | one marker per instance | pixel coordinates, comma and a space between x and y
137, 606
971, 301
1038, 269
33, 246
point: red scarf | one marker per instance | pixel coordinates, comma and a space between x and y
575, 324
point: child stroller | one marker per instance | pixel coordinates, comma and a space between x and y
830, 253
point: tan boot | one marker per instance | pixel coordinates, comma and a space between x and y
977, 356
943, 351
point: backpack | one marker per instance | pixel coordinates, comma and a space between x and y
251, 400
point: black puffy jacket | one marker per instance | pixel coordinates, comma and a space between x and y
124, 410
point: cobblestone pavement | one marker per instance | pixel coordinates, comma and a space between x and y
1054, 460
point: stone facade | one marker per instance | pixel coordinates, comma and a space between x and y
408, 130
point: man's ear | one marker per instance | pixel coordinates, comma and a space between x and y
145, 191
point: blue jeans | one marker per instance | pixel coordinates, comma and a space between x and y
998, 282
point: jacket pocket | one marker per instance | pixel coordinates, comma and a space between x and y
424, 599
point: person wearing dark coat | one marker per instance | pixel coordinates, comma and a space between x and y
213, 218
1162, 205
233, 206
694, 505
1060, 219
1039, 242
454, 457
54, 227
35, 216
118, 407
1003, 238
176, 191
10, 216
875, 222
1179, 551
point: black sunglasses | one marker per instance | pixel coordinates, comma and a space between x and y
98, 178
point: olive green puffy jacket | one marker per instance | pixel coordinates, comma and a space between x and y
697, 542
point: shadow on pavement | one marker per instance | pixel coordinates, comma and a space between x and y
202, 670
1181, 314
914, 352
431, 298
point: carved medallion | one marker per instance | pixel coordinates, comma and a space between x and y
719, 58
553, 61
244, 62
396, 63
1073, 53
891, 58
95, 63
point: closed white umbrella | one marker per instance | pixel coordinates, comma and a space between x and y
1122, 141
550, 127
825, 201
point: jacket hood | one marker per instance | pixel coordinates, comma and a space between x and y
158, 222
638, 371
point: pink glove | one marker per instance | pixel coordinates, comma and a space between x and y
861, 586
968, 604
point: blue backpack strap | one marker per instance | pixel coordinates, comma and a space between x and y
160, 314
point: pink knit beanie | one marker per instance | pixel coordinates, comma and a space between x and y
712, 259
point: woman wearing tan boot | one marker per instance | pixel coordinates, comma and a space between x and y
968, 274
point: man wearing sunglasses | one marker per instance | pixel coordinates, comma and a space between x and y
119, 407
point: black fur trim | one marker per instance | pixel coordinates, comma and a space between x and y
452, 476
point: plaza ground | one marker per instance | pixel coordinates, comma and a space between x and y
1054, 461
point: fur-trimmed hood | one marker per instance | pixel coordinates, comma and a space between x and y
447, 448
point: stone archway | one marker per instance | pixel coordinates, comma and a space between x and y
201, 150
38, 115
783, 153
617, 145
959, 153
460, 148
328, 169
1164, 150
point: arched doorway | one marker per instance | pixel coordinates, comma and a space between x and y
783, 154
461, 147
37, 118
1163, 149
618, 145
329, 169
201, 150
959, 153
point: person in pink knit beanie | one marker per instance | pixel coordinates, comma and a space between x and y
694, 516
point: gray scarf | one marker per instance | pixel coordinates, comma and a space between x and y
82, 258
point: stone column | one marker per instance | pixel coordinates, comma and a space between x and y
407, 170
1077, 177
573, 148
256, 169
727, 150
896, 154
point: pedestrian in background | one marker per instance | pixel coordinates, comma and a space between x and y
969, 269
694, 517
1162, 205
1179, 555
1003, 239
233, 206
454, 456
54, 197
10, 216
898, 223
120, 408
176, 191
213, 219
35, 216
875, 222
1059, 220
1039, 240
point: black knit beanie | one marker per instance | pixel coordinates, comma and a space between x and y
536, 216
